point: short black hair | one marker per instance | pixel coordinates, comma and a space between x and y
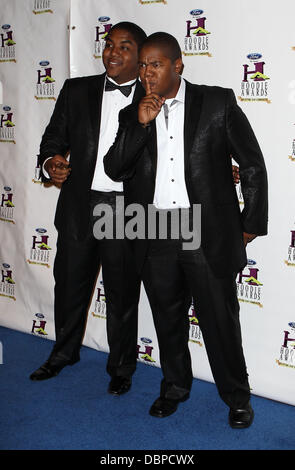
137, 32
165, 41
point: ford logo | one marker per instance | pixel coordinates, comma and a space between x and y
6, 26
292, 324
104, 19
196, 12
254, 56
251, 262
39, 315
6, 108
7, 188
146, 340
41, 230
43, 63
6, 266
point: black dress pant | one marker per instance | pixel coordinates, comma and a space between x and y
76, 268
167, 272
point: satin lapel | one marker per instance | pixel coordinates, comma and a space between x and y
193, 108
152, 141
139, 92
95, 92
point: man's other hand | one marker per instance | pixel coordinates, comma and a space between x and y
248, 237
58, 169
236, 174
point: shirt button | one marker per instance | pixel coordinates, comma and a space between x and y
171, 137
174, 202
172, 181
171, 158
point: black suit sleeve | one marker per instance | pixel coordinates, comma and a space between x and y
245, 149
55, 139
120, 161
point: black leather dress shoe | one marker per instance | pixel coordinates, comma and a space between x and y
119, 385
163, 407
241, 417
50, 369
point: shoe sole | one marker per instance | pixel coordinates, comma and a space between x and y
155, 415
117, 394
241, 426
37, 379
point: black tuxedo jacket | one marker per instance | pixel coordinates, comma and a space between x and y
74, 128
215, 127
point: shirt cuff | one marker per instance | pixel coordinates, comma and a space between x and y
43, 169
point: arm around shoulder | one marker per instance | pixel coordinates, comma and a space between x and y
120, 161
253, 176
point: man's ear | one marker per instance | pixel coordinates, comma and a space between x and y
178, 66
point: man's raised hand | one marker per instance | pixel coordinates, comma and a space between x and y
150, 106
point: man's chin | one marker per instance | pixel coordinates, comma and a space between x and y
113, 74
153, 89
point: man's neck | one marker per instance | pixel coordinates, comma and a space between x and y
174, 92
129, 82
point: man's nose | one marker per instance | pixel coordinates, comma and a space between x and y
115, 52
148, 71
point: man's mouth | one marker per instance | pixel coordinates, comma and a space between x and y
114, 63
152, 85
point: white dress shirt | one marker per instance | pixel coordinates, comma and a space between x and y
112, 103
170, 190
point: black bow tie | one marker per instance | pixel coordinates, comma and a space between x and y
125, 89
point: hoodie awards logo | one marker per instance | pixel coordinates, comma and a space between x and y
144, 351
45, 89
290, 261
287, 349
7, 284
100, 303
249, 288
240, 194
254, 86
7, 44
7, 205
38, 326
7, 126
101, 32
238, 186
196, 41
195, 334
37, 173
292, 156
40, 250
42, 6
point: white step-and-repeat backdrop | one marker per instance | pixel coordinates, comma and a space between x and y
248, 46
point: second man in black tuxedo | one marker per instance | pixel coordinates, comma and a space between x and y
172, 150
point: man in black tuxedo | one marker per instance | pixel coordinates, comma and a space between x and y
172, 150
84, 125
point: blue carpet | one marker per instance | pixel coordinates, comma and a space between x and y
74, 412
